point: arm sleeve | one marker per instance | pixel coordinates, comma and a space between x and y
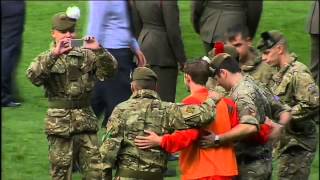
306, 93
179, 140
247, 111
171, 19
96, 16
112, 140
253, 16
188, 116
104, 63
39, 69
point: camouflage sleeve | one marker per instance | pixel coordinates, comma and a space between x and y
306, 94
112, 139
188, 116
247, 111
39, 69
277, 107
105, 65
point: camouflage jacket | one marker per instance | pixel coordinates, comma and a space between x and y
260, 71
145, 111
254, 103
295, 86
69, 79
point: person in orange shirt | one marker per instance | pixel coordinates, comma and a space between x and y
196, 163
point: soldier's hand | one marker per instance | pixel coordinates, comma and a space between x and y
141, 58
62, 46
91, 43
145, 142
276, 129
207, 141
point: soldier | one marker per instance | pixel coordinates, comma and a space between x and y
293, 85
68, 75
254, 105
145, 111
249, 58
313, 30
157, 26
212, 18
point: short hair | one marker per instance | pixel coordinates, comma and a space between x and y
146, 84
230, 64
198, 71
236, 30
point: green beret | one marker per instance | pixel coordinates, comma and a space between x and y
217, 60
269, 39
144, 73
62, 22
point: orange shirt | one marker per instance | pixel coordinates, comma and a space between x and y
211, 163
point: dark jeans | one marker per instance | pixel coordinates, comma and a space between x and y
109, 93
11, 43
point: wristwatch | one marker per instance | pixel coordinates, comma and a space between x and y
217, 140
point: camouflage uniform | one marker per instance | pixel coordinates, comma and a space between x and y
254, 103
70, 124
295, 86
145, 111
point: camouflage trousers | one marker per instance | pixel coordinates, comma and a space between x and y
255, 170
295, 164
65, 152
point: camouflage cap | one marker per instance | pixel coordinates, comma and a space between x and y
217, 60
269, 39
62, 22
144, 73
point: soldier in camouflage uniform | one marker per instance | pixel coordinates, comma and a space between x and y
145, 111
68, 75
293, 84
254, 104
249, 58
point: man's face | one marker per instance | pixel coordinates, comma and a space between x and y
58, 35
271, 56
242, 46
222, 79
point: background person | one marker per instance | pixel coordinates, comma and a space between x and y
68, 75
211, 18
12, 22
110, 22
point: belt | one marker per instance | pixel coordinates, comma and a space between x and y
139, 174
155, 27
68, 104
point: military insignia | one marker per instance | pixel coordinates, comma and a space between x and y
276, 98
190, 109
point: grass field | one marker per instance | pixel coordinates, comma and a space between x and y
24, 144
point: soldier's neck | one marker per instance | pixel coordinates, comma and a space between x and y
285, 60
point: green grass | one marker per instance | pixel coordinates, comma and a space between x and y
24, 152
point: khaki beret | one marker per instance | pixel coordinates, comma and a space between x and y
269, 39
217, 60
144, 73
62, 22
